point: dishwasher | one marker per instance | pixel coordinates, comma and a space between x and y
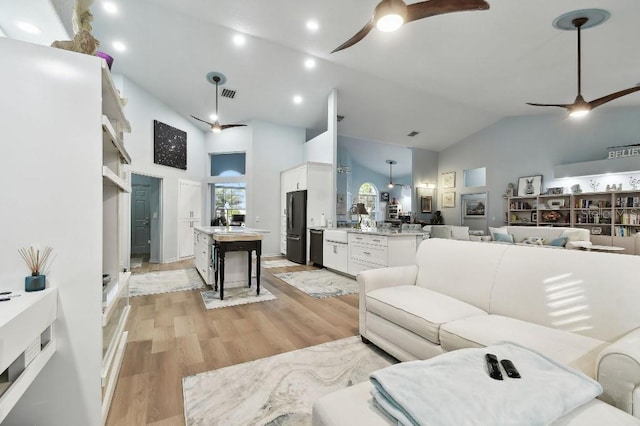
316, 243
335, 250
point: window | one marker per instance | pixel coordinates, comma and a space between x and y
229, 200
233, 164
368, 195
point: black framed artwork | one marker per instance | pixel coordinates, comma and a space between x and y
169, 146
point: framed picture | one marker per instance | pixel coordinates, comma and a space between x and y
384, 196
474, 209
425, 204
449, 180
534, 216
169, 146
448, 199
555, 191
529, 186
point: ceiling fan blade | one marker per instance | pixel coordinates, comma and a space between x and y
228, 126
356, 38
616, 95
425, 9
200, 119
553, 105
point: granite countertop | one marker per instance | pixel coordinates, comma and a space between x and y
232, 233
383, 232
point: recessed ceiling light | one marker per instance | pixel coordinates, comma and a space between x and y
110, 7
310, 63
213, 117
28, 27
239, 40
312, 25
119, 46
297, 99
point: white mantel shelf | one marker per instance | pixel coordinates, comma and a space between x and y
24, 319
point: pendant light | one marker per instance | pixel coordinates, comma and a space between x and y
391, 163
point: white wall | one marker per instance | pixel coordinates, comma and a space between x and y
269, 148
52, 196
141, 110
319, 149
533, 145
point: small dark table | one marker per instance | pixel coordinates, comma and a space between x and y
240, 242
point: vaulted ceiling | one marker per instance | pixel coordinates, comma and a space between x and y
445, 77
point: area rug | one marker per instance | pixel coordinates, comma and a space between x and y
235, 294
278, 390
164, 282
278, 263
135, 262
320, 283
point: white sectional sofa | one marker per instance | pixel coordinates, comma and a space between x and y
577, 237
579, 308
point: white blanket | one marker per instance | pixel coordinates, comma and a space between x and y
455, 389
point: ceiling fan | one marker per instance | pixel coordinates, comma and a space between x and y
217, 78
389, 15
578, 20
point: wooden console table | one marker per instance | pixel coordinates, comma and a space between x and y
223, 243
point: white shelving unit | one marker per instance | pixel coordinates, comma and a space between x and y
115, 295
612, 217
27, 344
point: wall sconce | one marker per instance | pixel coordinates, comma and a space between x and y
427, 185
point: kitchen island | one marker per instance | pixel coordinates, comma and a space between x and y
350, 251
236, 263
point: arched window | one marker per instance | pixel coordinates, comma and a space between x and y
368, 194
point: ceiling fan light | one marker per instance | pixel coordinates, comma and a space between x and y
216, 128
390, 15
579, 113
389, 23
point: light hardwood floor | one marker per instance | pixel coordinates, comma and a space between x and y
173, 335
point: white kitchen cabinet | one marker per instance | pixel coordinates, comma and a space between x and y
203, 259
316, 179
189, 215
335, 251
371, 251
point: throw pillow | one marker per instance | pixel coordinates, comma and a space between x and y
559, 242
533, 240
503, 238
443, 231
572, 234
494, 231
460, 233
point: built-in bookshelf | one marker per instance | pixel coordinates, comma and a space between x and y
612, 217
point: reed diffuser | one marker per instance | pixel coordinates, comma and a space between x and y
36, 260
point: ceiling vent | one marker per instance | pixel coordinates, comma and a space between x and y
413, 133
228, 93
340, 118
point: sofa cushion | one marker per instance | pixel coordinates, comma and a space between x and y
577, 351
418, 309
493, 231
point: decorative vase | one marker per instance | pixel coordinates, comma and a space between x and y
35, 282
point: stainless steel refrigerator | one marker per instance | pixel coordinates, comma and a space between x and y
297, 226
